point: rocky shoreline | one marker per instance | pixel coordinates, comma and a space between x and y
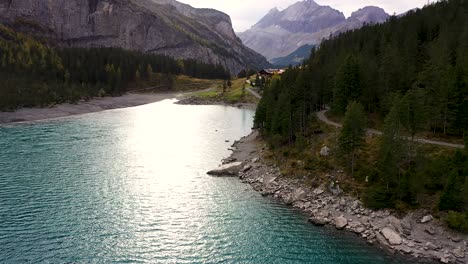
194, 100
416, 235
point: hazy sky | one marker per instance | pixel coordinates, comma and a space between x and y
245, 13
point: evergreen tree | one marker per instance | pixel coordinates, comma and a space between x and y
149, 71
243, 88
258, 81
347, 85
454, 196
242, 74
224, 86
353, 133
137, 76
392, 150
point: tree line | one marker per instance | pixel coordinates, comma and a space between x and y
35, 74
412, 74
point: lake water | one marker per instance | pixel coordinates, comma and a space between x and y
129, 186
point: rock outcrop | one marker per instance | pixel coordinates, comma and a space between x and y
155, 26
231, 169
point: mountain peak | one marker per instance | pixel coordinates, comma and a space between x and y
274, 10
302, 16
309, 3
280, 32
370, 14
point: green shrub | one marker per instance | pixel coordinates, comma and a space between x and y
452, 197
310, 163
457, 221
378, 197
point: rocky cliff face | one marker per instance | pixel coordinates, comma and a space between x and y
157, 26
280, 33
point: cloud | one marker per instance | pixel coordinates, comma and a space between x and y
245, 13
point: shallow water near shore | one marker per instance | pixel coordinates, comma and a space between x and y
129, 185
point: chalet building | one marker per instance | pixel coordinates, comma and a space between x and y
270, 72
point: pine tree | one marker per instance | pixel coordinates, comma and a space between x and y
413, 111
224, 86
347, 85
258, 81
243, 88
67, 77
149, 71
392, 149
137, 76
454, 196
353, 133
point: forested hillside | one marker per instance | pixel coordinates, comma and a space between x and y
411, 74
34, 74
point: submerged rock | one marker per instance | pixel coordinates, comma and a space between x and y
230, 169
288, 199
318, 221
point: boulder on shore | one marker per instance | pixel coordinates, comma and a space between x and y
335, 189
426, 219
459, 252
406, 226
299, 194
392, 236
325, 151
341, 222
231, 169
319, 221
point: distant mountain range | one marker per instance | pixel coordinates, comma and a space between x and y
281, 33
154, 26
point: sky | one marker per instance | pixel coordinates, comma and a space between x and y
245, 13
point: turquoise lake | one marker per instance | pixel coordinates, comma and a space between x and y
129, 186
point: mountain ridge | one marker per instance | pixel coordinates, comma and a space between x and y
295, 58
164, 27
